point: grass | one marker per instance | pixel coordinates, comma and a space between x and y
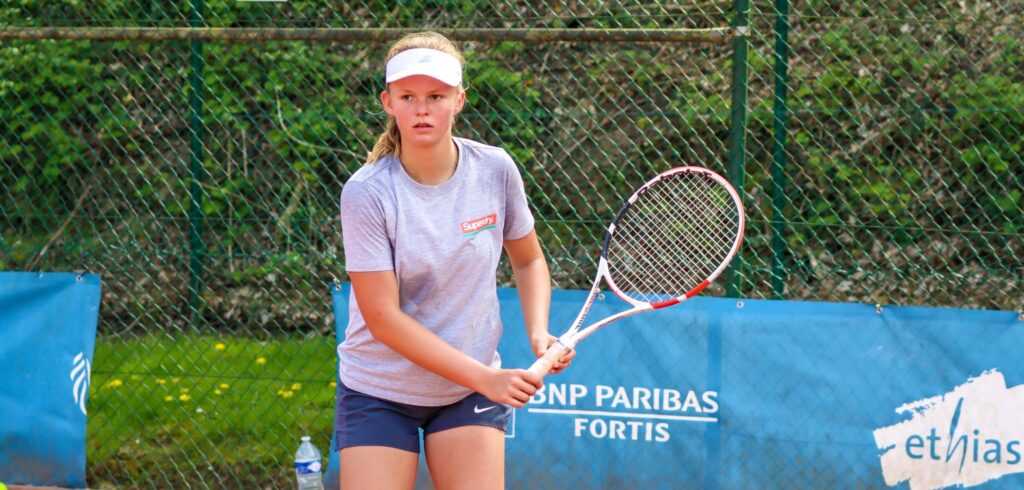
200, 410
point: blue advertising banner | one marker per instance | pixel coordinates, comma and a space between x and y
726, 393
47, 336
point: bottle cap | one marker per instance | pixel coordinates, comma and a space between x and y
305, 438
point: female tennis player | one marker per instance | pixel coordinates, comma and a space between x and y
424, 223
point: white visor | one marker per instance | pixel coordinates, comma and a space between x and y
423, 61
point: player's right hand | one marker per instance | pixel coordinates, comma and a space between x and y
512, 387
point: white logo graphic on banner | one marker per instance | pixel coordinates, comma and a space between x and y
968, 436
624, 413
80, 373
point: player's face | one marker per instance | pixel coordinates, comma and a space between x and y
424, 109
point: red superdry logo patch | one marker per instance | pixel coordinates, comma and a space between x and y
476, 225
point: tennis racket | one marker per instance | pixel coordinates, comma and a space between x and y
674, 235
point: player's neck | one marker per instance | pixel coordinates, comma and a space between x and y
430, 165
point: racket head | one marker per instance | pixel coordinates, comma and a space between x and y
674, 235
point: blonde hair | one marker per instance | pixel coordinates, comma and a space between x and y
390, 141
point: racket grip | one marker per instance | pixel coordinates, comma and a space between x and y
542, 365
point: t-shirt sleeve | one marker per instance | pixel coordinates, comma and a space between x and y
364, 231
518, 218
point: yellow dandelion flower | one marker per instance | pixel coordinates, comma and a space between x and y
216, 392
296, 386
261, 360
114, 383
224, 386
285, 393
334, 384
168, 398
220, 346
161, 381
184, 397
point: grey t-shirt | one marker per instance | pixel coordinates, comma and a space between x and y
443, 242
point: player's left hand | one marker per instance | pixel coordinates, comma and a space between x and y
540, 345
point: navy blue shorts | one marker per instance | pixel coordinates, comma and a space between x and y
364, 420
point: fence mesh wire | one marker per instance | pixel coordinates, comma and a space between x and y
200, 178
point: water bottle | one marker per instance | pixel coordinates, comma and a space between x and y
307, 466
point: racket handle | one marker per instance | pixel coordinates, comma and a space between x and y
542, 365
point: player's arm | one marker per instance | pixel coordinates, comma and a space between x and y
533, 283
377, 296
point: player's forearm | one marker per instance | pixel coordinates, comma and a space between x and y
424, 348
533, 284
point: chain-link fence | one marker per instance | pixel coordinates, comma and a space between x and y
900, 180
198, 171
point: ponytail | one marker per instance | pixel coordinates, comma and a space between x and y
388, 144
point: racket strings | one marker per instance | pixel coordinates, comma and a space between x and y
675, 272
676, 234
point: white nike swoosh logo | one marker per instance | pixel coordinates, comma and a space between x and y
477, 409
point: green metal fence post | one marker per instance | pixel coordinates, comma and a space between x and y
780, 111
737, 129
197, 250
